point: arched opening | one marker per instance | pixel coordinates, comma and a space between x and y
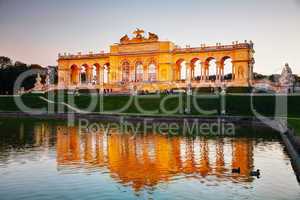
106, 73
125, 71
181, 70
152, 72
139, 71
96, 73
227, 68
84, 74
74, 79
212, 68
196, 69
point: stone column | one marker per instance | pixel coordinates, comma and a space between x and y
219, 67
201, 75
100, 75
203, 70
88, 75
60, 76
132, 73
233, 71
145, 73
188, 73
77, 76
108, 76
222, 73
193, 72
218, 70
173, 72
207, 72
91, 75
68, 77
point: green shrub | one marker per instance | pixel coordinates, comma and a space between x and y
204, 90
239, 89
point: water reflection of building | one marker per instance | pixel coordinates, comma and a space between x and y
41, 134
242, 155
146, 160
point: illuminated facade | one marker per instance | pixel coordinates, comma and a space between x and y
146, 63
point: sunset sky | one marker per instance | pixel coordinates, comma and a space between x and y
35, 31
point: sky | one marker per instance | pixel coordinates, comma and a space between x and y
35, 31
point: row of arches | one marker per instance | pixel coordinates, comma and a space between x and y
195, 69
209, 69
139, 73
85, 74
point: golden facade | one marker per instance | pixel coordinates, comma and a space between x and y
146, 63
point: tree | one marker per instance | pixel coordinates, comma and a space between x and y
257, 76
10, 72
5, 62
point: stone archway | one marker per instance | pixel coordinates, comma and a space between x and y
195, 68
210, 69
96, 73
85, 74
180, 70
226, 69
74, 75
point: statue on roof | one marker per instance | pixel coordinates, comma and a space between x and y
139, 33
125, 38
152, 36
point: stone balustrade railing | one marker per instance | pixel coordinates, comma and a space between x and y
176, 50
90, 55
214, 48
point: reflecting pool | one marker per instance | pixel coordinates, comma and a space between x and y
49, 160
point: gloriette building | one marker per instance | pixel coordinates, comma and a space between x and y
146, 63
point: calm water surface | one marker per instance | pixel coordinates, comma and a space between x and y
48, 160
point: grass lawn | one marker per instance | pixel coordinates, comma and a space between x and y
238, 105
295, 123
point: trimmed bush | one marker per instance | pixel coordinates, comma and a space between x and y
239, 90
204, 90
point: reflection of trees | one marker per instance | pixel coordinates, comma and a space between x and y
146, 160
18, 136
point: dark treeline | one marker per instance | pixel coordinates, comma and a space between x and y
9, 72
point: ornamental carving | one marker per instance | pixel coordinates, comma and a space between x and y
139, 37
